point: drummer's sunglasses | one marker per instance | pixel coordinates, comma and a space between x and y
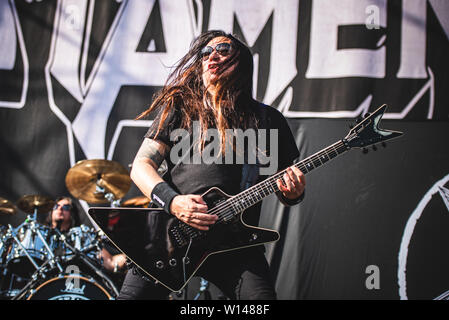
223, 49
66, 207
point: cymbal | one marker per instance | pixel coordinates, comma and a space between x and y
86, 178
140, 201
7, 207
29, 203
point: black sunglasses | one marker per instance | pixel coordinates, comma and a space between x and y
66, 207
223, 49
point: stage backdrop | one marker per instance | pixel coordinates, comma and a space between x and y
75, 73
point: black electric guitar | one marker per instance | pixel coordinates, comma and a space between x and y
174, 251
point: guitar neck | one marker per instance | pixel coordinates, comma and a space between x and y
263, 189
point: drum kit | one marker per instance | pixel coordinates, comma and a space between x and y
40, 262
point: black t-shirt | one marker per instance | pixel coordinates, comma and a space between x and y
195, 174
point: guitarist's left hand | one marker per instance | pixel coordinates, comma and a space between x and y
295, 182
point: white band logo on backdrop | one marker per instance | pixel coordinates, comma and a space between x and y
438, 189
118, 64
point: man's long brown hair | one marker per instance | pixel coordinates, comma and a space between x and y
184, 91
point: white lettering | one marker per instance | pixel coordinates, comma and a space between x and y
325, 60
118, 63
413, 40
10, 36
197, 310
252, 17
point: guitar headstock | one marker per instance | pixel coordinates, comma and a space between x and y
367, 131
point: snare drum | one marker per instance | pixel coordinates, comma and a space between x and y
70, 287
31, 244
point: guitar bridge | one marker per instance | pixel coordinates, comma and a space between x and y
182, 233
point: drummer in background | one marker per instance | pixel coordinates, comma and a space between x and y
64, 214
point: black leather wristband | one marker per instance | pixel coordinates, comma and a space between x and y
162, 195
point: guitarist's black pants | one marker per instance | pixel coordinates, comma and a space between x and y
241, 274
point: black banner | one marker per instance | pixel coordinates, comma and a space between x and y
75, 73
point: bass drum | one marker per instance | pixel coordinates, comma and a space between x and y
70, 287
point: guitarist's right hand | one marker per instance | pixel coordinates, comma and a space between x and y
192, 210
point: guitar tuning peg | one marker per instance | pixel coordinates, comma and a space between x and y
374, 147
365, 150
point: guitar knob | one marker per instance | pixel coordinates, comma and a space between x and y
365, 150
172, 262
384, 144
374, 147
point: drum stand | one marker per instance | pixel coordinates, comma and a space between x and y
40, 271
107, 195
82, 255
31, 220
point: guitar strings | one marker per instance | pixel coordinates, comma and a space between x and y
227, 209
261, 186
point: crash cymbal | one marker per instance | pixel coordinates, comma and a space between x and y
86, 179
140, 201
7, 207
29, 203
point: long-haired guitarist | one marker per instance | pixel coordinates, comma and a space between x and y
207, 96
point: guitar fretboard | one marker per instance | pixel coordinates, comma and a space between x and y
263, 189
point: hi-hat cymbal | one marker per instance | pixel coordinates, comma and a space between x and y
87, 177
140, 201
7, 207
29, 203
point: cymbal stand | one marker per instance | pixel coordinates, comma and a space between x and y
108, 195
52, 258
111, 199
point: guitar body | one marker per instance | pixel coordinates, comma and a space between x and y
178, 251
